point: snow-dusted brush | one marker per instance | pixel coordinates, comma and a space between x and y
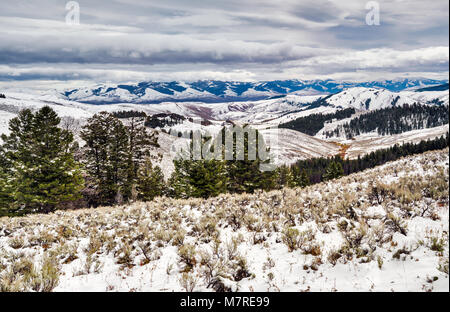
383, 229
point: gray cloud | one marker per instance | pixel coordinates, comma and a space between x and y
124, 40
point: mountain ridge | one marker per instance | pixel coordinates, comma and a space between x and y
214, 91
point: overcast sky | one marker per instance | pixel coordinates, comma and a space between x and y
131, 40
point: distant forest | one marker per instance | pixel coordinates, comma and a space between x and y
394, 120
129, 114
316, 168
313, 123
161, 120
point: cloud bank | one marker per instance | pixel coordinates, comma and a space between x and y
130, 40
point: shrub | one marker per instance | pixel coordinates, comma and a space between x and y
16, 242
188, 281
187, 255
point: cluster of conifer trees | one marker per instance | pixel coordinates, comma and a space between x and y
163, 119
312, 124
129, 114
227, 169
321, 169
394, 120
42, 167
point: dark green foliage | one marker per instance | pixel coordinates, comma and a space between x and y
2, 96
139, 143
238, 173
129, 114
5, 189
38, 164
113, 154
322, 169
198, 178
163, 119
300, 177
284, 177
105, 155
394, 120
312, 124
150, 182
333, 171
245, 172
197, 174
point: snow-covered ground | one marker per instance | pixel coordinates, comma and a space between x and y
287, 146
384, 229
369, 142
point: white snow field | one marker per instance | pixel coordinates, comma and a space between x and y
384, 229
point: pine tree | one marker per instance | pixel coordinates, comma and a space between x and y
285, 177
5, 192
244, 173
5, 180
150, 182
44, 174
198, 178
300, 177
114, 152
106, 156
333, 171
139, 143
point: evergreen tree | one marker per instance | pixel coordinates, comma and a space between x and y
106, 156
299, 177
139, 143
150, 182
333, 171
243, 170
44, 174
5, 181
203, 177
285, 177
5, 198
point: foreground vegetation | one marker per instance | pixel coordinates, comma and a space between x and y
353, 233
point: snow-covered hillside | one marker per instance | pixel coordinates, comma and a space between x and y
274, 111
288, 146
261, 114
384, 229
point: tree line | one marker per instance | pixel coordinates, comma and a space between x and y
313, 123
321, 169
128, 114
394, 120
162, 120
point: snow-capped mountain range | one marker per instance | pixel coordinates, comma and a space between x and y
274, 110
225, 91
